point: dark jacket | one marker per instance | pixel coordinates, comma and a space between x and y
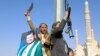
57, 39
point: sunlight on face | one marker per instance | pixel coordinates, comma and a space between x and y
30, 38
43, 29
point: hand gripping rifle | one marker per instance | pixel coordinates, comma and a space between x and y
69, 23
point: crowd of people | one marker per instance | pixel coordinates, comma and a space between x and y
40, 42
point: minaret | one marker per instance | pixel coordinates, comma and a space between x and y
79, 49
89, 46
87, 21
76, 38
58, 10
92, 33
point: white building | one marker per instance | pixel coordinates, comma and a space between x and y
91, 46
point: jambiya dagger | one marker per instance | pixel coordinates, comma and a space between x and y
27, 14
30, 8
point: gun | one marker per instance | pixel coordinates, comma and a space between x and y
69, 23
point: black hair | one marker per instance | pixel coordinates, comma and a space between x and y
44, 24
24, 35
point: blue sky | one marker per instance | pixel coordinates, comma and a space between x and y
13, 22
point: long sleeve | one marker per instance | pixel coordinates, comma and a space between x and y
31, 25
59, 30
62, 24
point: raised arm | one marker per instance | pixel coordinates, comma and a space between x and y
64, 20
31, 25
59, 26
67, 14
